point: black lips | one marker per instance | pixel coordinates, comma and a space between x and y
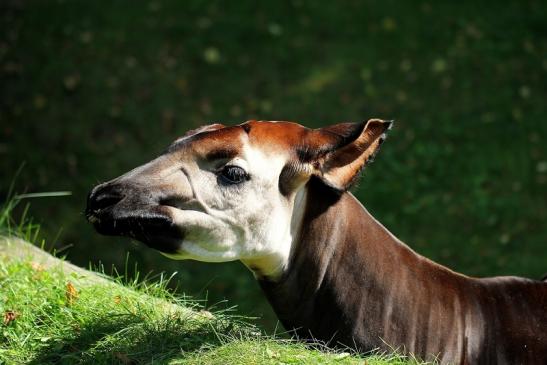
114, 212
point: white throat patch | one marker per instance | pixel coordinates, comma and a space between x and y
277, 261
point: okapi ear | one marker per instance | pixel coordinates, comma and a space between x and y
338, 153
205, 128
191, 134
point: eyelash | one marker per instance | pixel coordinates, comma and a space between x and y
233, 175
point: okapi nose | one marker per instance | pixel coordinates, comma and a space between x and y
102, 197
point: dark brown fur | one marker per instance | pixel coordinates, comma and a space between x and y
351, 282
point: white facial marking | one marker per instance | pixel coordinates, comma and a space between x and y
250, 221
276, 262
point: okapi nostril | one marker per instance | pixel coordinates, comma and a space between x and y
99, 199
105, 201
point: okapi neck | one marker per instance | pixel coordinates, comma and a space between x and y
344, 265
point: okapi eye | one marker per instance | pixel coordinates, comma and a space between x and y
233, 175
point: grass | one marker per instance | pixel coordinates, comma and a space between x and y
50, 316
24, 227
92, 89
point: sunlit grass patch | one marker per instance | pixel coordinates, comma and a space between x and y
51, 316
264, 351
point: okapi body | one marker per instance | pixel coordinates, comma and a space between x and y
274, 195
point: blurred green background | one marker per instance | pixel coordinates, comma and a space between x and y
90, 89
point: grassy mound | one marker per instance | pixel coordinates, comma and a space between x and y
56, 313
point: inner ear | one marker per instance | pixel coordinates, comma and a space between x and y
351, 147
320, 142
205, 128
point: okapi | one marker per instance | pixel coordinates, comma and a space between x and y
275, 196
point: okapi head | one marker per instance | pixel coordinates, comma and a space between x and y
223, 193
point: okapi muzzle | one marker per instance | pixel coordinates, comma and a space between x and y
123, 208
274, 195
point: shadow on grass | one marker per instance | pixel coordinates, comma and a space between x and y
135, 340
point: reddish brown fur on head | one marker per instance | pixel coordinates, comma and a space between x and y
230, 191
336, 154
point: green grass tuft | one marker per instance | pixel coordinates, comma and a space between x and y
54, 317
